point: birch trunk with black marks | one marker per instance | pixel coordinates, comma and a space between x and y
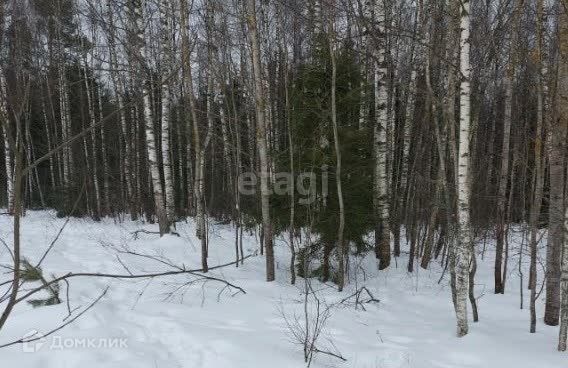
151, 151
382, 230
166, 96
4, 121
464, 245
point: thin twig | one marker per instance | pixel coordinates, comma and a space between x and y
27, 340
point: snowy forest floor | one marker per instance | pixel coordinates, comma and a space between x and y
165, 324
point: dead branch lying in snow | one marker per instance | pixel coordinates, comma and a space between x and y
358, 299
142, 231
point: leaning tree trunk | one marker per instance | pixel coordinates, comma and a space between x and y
382, 231
260, 104
463, 247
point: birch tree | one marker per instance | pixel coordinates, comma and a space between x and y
166, 95
260, 108
4, 121
151, 151
381, 180
465, 242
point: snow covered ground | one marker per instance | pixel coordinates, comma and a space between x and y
160, 323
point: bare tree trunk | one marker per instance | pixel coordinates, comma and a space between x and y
64, 115
49, 143
17, 212
260, 105
151, 151
64, 110
106, 174
92, 122
540, 143
382, 230
365, 63
464, 245
199, 151
504, 174
128, 158
431, 228
4, 121
341, 245
166, 92
562, 116
555, 221
292, 229
556, 154
15, 143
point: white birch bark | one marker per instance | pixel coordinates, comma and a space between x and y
4, 121
64, 116
382, 230
166, 34
138, 13
65, 113
188, 91
464, 245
